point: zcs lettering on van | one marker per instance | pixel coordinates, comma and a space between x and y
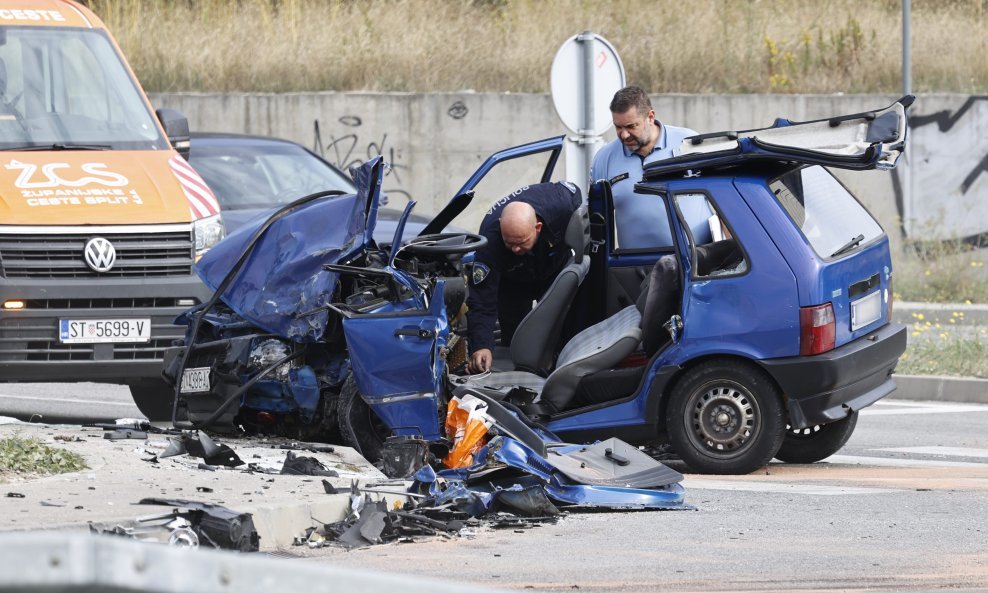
96, 174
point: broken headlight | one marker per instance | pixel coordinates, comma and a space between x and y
265, 352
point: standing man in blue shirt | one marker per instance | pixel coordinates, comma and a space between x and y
642, 221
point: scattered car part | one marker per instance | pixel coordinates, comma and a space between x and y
190, 524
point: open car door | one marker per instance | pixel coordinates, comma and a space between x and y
501, 174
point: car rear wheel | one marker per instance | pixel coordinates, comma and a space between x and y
154, 398
809, 445
725, 417
359, 425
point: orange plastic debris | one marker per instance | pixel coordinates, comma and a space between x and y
467, 422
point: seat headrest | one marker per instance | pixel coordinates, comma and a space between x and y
578, 233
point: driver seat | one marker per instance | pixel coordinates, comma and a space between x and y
599, 347
535, 340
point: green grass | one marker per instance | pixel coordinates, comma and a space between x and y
937, 348
667, 46
29, 456
942, 273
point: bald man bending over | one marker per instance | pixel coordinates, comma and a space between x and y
524, 253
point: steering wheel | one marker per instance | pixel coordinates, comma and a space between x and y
444, 244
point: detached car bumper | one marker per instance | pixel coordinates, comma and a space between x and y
829, 386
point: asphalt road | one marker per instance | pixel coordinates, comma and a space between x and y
903, 507
66, 403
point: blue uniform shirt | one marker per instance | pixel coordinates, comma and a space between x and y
641, 219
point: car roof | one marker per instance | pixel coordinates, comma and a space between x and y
859, 141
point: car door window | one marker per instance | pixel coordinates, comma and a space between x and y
714, 248
506, 178
641, 224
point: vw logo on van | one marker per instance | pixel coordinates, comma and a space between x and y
100, 254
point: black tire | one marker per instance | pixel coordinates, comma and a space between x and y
359, 426
816, 443
154, 398
725, 417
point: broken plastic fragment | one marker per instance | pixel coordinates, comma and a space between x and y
297, 465
200, 445
467, 423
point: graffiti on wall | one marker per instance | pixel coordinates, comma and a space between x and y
947, 194
347, 148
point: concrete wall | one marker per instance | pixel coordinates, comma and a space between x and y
435, 141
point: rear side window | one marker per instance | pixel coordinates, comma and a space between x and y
830, 218
715, 250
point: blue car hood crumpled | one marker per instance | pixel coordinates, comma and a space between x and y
282, 286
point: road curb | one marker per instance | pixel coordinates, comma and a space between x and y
940, 388
279, 524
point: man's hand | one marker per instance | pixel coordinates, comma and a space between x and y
481, 361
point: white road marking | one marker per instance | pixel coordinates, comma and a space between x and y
948, 451
929, 408
902, 403
813, 490
895, 462
66, 401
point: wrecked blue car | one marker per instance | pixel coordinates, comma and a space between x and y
290, 345
757, 332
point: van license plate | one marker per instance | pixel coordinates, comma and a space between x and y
195, 380
98, 331
866, 310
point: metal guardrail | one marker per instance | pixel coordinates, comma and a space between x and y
44, 562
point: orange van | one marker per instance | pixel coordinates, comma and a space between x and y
101, 217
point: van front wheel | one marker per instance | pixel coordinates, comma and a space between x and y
725, 417
154, 398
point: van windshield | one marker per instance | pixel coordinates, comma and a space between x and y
68, 88
828, 215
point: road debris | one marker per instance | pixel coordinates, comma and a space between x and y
300, 465
190, 524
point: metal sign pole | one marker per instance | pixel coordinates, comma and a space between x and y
586, 73
587, 138
907, 87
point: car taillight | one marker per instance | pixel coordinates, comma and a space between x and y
817, 329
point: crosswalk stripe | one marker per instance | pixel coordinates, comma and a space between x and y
896, 462
926, 409
810, 489
936, 450
66, 400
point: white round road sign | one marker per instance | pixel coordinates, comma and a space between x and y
586, 73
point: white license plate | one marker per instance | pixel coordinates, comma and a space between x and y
98, 331
195, 380
866, 310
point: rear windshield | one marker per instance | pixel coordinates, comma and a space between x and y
830, 218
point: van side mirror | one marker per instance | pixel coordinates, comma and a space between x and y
177, 129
